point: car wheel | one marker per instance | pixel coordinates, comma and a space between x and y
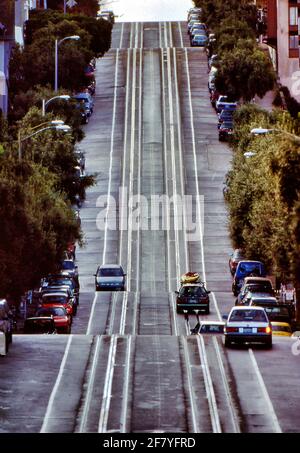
207, 311
178, 310
227, 342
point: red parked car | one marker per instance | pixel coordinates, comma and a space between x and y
62, 319
234, 260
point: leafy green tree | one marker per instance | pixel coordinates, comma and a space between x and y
36, 225
243, 74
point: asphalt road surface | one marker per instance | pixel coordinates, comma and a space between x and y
130, 364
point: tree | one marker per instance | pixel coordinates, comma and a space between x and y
243, 74
35, 228
86, 7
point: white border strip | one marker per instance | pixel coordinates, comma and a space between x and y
56, 385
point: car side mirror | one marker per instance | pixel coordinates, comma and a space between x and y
176, 292
225, 317
95, 275
124, 275
208, 292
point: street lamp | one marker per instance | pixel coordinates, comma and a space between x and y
66, 97
262, 131
57, 44
249, 154
58, 125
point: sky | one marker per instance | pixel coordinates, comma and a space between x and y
148, 10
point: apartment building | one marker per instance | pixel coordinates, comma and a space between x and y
13, 14
283, 19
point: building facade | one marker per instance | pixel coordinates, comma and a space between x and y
13, 14
283, 19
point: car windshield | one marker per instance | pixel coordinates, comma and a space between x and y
55, 311
60, 282
247, 268
248, 315
258, 288
55, 299
68, 265
212, 328
111, 272
188, 291
277, 311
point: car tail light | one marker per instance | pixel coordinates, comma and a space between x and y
231, 329
264, 329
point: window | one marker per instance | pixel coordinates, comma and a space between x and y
294, 42
293, 15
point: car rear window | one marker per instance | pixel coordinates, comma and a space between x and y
54, 299
68, 265
281, 329
247, 268
110, 272
248, 315
212, 328
187, 291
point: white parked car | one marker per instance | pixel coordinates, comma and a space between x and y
248, 325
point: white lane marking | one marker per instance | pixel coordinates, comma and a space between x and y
174, 314
88, 330
173, 166
181, 166
126, 389
195, 165
136, 37
131, 169
121, 37
166, 34
91, 383
271, 410
234, 417
216, 306
139, 163
190, 385
142, 35
171, 34
166, 166
123, 226
56, 385
131, 35
180, 34
111, 155
159, 31
102, 426
213, 409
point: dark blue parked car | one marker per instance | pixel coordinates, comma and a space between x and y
244, 269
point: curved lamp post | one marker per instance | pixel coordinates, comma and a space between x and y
55, 124
57, 44
66, 97
262, 131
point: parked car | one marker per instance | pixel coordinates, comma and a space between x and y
50, 299
191, 23
248, 325
226, 130
62, 319
197, 29
6, 322
214, 95
65, 290
39, 325
87, 99
265, 301
225, 116
191, 297
253, 286
247, 268
71, 268
110, 277
199, 41
235, 257
282, 329
212, 61
80, 156
280, 313
224, 101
